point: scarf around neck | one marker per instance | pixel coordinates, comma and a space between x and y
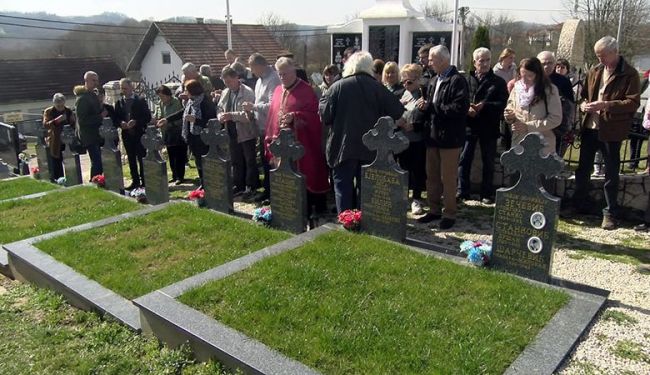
525, 95
193, 107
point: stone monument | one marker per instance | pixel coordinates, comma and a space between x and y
43, 156
217, 172
526, 216
571, 44
112, 157
288, 189
155, 168
71, 163
384, 185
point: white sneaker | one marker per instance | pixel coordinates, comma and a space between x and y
416, 207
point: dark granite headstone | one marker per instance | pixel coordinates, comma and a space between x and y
288, 189
155, 168
384, 185
525, 216
217, 173
9, 147
71, 163
112, 157
43, 157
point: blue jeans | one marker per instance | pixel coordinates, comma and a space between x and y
612, 157
345, 191
488, 153
95, 155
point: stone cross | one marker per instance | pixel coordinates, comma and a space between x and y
527, 159
109, 132
216, 139
153, 142
287, 149
69, 137
384, 139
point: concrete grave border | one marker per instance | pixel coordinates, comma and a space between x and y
175, 323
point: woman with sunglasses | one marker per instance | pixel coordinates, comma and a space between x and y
411, 124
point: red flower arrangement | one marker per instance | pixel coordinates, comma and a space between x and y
99, 180
196, 194
35, 172
351, 219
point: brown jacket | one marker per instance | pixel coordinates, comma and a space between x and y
54, 130
623, 90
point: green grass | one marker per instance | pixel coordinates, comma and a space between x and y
349, 303
23, 186
139, 255
631, 350
44, 335
620, 317
62, 209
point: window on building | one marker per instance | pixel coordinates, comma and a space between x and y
166, 57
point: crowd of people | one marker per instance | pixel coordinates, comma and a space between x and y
443, 113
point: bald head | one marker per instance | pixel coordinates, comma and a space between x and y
547, 58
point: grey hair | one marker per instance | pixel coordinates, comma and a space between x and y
90, 73
546, 53
607, 43
188, 67
285, 61
58, 98
205, 70
480, 52
126, 81
441, 51
358, 62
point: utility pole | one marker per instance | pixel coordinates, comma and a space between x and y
620, 24
229, 24
463, 16
454, 37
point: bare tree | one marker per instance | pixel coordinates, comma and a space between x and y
601, 18
437, 9
283, 31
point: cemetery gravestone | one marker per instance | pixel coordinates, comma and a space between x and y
526, 216
71, 163
155, 168
384, 185
9, 150
288, 189
43, 157
111, 157
217, 174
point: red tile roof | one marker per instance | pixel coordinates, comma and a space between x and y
39, 79
206, 43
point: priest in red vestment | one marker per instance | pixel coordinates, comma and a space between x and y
294, 105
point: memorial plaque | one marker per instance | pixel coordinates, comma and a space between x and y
217, 171
112, 157
433, 38
526, 216
288, 189
71, 163
384, 42
384, 185
340, 42
155, 168
43, 157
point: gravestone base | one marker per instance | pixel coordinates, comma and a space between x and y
42, 157
384, 203
113, 172
287, 191
217, 182
155, 176
72, 169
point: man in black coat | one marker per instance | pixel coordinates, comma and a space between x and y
445, 108
488, 97
133, 115
350, 108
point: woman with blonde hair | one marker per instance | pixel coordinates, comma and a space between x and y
506, 66
390, 79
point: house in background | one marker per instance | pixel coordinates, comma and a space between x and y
29, 84
168, 45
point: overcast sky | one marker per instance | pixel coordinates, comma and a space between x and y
326, 12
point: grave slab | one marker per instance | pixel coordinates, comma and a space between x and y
525, 215
288, 189
71, 162
217, 168
155, 168
43, 157
384, 185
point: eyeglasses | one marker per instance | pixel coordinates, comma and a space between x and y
407, 82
